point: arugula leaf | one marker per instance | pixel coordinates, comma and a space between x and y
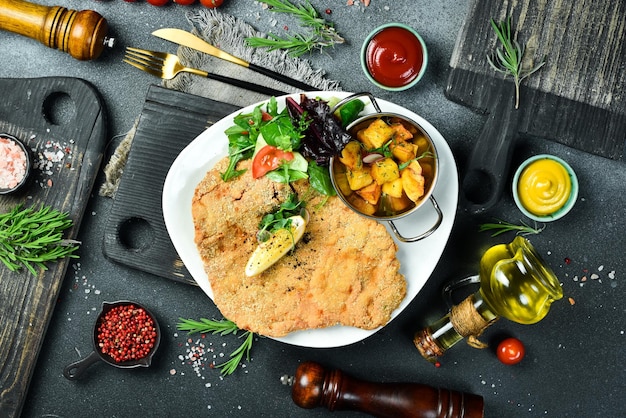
242, 137
240, 147
272, 106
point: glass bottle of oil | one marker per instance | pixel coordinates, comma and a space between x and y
515, 284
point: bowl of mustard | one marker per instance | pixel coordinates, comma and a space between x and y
545, 188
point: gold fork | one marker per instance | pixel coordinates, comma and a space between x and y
168, 66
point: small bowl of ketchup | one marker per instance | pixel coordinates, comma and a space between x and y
394, 57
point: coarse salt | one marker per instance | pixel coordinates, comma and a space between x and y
13, 163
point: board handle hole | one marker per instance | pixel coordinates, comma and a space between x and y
59, 108
136, 234
478, 187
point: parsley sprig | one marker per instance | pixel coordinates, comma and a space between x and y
223, 327
323, 33
32, 237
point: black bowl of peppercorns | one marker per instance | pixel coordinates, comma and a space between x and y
126, 335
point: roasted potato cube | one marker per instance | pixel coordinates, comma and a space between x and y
370, 193
428, 170
413, 181
376, 134
341, 180
400, 132
399, 204
393, 188
403, 151
385, 170
351, 155
361, 205
359, 178
422, 144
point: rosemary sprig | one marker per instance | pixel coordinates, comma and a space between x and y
507, 59
30, 238
223, 327
502, 226
323, 33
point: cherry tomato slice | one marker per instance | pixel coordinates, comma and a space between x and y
510, 351
267, 159
266, 116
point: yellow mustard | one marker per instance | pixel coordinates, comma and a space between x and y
544, 187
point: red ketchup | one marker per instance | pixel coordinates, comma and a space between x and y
394, 56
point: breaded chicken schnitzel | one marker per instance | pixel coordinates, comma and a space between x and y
343, 271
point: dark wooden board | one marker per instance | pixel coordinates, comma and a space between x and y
44, 112
135, 233
578, 98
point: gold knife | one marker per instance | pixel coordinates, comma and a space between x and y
187, 39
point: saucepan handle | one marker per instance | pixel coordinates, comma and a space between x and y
76, 369
354, 96
424, 234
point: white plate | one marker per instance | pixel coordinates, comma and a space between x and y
418, 259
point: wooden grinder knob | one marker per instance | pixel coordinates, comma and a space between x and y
81, 34
315, 386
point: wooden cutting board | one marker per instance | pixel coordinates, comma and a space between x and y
135, 233
64, 118
578, 98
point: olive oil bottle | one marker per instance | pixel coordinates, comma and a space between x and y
515, 284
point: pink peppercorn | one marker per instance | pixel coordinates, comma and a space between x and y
126, 333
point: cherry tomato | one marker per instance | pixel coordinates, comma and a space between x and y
511, 351
211, 3
158, 2
184, 2
267, 159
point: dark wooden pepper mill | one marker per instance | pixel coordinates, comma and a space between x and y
314, 386
81, 34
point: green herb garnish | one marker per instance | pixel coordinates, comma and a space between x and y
223, 327
30, 238
425, 154
319, 179
501, 227
242, 137
323, 32
279, 219
507, 59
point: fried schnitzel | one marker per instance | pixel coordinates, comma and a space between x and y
343, 271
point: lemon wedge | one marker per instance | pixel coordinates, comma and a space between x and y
280, 243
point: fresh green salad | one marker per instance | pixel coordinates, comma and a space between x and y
293, 144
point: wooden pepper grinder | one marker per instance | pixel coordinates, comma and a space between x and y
81, 34
315, 386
